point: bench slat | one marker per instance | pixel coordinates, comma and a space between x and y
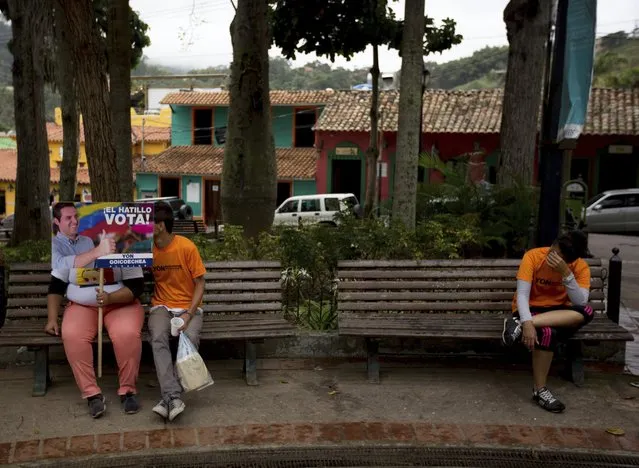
244, 286
37, 278
24, 290
248, 265
478, 263
439, 296
29, 267
468, 326
253, 307
425, 306
243, 297
433, 274
243, 275
432, 285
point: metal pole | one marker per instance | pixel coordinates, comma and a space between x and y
614, 286
551, 156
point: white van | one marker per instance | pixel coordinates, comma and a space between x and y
312, 209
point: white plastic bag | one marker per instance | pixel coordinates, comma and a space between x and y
190, 366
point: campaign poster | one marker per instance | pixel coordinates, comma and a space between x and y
129, 224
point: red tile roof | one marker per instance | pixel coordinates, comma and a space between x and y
610, 111
151, 134
222, 98
292, 163
9, 168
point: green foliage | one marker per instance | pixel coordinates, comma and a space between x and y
335, 27
486, 66
499, 217
28, 251
617, 61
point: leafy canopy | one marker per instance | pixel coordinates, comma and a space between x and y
346, 27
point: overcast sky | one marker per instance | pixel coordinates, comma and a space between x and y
195, 33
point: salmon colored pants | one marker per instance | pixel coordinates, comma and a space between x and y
79, 328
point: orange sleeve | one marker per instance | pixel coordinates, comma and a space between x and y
527, 267
582, 274
195, 264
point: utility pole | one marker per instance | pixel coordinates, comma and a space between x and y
142, 157
565, 104
550, 156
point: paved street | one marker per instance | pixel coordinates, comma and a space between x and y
601, 245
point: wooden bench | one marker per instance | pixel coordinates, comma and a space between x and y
448, 299
242, 301
189, 227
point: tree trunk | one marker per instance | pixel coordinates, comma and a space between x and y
372, 153
410, 104
528, 27
249, 176
119, 54
29, 22
89, 58
70, 112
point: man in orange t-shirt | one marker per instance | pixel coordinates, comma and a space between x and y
551, 304
178, 273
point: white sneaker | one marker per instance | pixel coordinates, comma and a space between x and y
162, 409
176, 407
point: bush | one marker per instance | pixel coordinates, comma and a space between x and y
500, 217
28, 251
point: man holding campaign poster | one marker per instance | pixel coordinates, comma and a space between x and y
97, 254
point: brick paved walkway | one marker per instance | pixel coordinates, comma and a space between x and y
304, 434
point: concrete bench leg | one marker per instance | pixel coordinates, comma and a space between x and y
372, 349
41, 376
250, 363
575, 363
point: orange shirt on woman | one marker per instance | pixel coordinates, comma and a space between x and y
547, 288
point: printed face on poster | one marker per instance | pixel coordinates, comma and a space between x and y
130, 225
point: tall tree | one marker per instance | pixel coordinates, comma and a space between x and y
410, 107
528, 28
137, 35
119, 57
337, 27
69, 107
249, 176
91, 75
30, 20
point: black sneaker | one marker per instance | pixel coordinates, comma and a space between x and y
547, 401
512, 331
97, 405
130, 403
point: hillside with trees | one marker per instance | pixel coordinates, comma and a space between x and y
616, 66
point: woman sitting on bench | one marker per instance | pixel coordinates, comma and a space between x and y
551, 304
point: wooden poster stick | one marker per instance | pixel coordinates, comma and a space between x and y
100, 323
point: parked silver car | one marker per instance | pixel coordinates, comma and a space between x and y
613, 211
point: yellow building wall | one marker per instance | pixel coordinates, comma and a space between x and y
9, 197
161, 120
56, 154
150, 148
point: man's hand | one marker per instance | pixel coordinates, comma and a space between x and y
529, 335
557, 263
102, 298
106, 246
186, 316
52, 327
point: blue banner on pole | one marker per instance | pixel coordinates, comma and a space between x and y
578, 64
